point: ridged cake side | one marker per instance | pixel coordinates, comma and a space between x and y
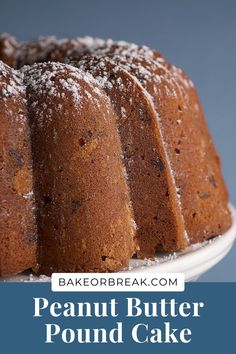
154, 199
194, 163
83, 206
133, 132
18, 235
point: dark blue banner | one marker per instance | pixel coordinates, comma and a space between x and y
199, 319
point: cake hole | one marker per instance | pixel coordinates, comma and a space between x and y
177, 151
55, 227
194, 215
142, 157
104, 258
47, 200
112, 76
167, 194
155, 218
81, 142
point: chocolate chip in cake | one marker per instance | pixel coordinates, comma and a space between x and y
179, 108
158, 164
32, 238
88, 134
81, 142
204, 196
75, 205
17, 156
177, 151
145, 116
212, 180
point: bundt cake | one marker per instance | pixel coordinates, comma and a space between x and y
105, 154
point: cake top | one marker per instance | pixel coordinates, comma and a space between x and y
11, 83
53, 49
141, 61
9, 44
50, 84
148, 67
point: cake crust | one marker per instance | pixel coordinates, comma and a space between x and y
18, 235
156, 209
105, 154
84, 213
193, 160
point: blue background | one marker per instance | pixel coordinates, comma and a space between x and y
199, 36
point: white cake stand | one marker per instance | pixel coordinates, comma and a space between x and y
193, 262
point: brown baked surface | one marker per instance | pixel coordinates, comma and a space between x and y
189, 147
84, 216
18, 234
118, 151
156, 208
